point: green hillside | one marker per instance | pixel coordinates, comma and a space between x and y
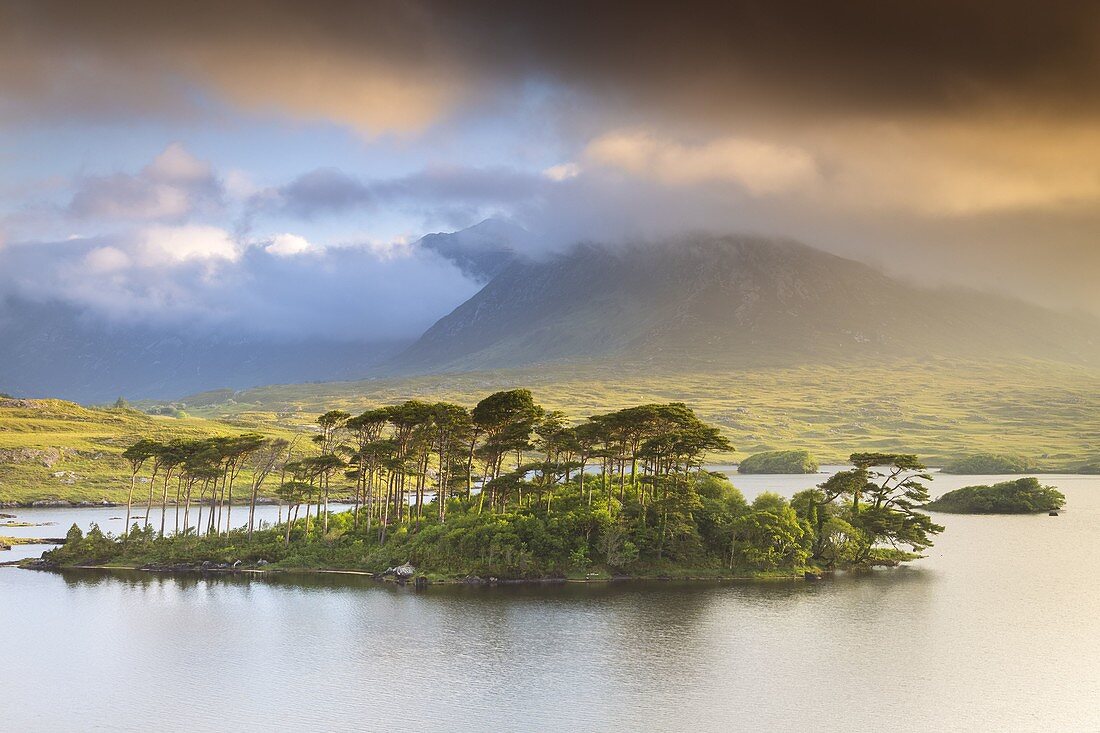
940, 409
52, 449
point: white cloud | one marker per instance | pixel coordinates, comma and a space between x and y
562, 172
176, 165
760, 167
166, 245
288, 245
106, 259
239, 184
172, 187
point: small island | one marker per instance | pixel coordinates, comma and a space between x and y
779, 461
1022, 496
506, 490
990, 464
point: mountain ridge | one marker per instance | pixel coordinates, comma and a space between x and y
739, 300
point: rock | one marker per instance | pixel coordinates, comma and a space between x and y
811, 576
261, 563
4, 547
20, 403
420, 582
1052, 513
236, 563
41, 564
45, 456
7, 516
401, 572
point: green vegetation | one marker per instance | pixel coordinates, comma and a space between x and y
57, 450
780, 461
938, 408
1092, 467
990, 463
512, 490
1022, 496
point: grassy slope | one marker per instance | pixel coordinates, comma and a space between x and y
85, 442
939, 409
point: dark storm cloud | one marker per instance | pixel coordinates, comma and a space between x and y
882, 129
714, 59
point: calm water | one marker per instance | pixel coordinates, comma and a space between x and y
998, 629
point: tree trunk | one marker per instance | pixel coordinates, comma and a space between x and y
229, 506
129, 504
325, 479
164, 502
252, 507
149, 503
187, 507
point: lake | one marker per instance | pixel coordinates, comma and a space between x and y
997, 629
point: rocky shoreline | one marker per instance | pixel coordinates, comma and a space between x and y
401, 575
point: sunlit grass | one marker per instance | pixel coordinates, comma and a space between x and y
938, 409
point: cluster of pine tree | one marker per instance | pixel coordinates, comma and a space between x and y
511, 489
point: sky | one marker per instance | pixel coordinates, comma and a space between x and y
250, 165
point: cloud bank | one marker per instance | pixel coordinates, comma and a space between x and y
949, 142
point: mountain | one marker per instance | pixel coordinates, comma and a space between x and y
482, 251
731, 301
693, 303
51, 349
54, 349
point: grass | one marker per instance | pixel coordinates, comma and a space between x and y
52, 449
937, 408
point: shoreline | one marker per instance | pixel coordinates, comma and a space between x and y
107, 504
418, 580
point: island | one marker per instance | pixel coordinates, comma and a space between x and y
779, 461
990, 464
505, 490
1021, 496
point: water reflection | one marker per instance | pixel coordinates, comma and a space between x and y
998, 629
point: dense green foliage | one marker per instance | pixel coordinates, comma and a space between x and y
990, 463
779, 461
511, 490
855, 515
1022, 496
